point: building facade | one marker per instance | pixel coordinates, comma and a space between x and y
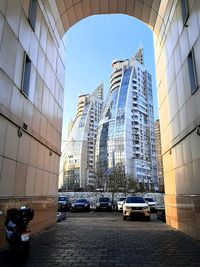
80, 147
31, 105
126, 131
159, 157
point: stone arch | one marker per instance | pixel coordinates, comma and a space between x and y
164, 18
150, 12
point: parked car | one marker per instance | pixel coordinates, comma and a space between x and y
120, 203
135, 206
64, 203
104, 203
80, 204
152, 203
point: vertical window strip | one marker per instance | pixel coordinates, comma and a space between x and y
185, 11
32, 13
26, 75
192, 71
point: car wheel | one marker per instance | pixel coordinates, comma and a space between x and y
125, 218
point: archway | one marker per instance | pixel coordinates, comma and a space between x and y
31, 160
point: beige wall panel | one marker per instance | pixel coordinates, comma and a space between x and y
193, 33
184, 44
40, 156
8, 51
197, 98
138, 9
38, 182
183, 118
13, 14
12, 142
24, 145
33, 152
181, 186
38, 92
94, 7
65, 21
19, 66
33, 48
194, 138
146, 14
187, 150
43, 127
20, 179
177, 58
45, 184
3, 132
41, 62
36, 121
32, 84
130, 7
191, 110
104, 6
30, 181
28, 112
86, 8
60, 6
180, 89
25, 5
1, 24
121, 6
71, 16
79, 11
7, 180
24, 32
3, 6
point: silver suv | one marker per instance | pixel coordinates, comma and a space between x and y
135, 206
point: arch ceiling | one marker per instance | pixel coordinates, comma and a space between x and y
67, 12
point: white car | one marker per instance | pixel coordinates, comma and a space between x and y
120, 203
135, 206
152, 203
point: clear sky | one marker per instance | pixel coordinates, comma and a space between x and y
92, 44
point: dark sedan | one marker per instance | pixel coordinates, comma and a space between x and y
104, 203
80, 204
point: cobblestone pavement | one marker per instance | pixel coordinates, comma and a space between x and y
104, 239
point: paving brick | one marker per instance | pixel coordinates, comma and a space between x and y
104, 239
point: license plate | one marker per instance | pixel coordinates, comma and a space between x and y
25, 237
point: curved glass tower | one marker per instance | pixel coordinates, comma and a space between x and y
126, 130
80, 149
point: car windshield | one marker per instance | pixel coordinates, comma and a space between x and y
62, 199
82, 200
104, 199
135, 200
121, 199
149, 199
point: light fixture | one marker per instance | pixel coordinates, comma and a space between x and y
20, 132
198, 130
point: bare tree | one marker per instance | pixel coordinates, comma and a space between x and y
131, 184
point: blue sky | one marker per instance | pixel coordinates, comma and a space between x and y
92, 44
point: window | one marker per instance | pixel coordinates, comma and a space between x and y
26, 75
32, 13
185, 11
192, 72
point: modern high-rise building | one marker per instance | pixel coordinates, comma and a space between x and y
80, 148
126, 131
159, 156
